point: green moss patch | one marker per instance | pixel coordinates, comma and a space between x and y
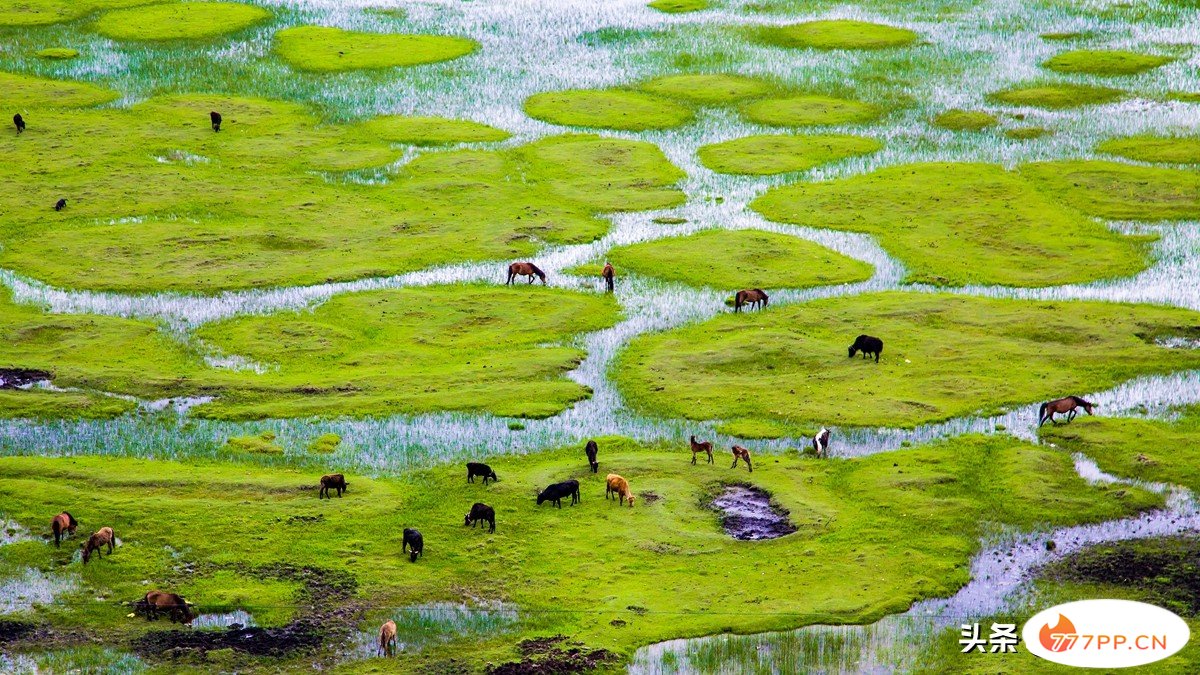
1120, 191
432, 130
709, 89
326, 50
1027, 133
810, 110
1104, 62
739, 259
258, 444
57, 53
179, 21
835, 34
44, 12
1159, 149
325, 444
766, 155
1056, 96
944, 356
1184, 96
965, 120
607, 109
955, 224
679, 6
25, 92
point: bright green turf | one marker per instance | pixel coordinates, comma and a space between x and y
255, 213
1105, 62
965, 120
58, 53
911, 518
944, 356
24, 92
766, 155
679, 6
739, 259
179, 21
607, 109
708, 88
955, 224
432, 130
42, 12
322, 49
1120, 191
835, 34
1054, 96
810, 110
1159, 149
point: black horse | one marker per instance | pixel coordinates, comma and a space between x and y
413, 539
592, 449
867, 345
555, 493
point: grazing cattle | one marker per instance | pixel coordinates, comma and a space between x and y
332, 481
60, 205
554, 493
741, 453
63, 522
755, 297
103, 537
867, 345
19, 122
616, 485
480, 512
525, 269
157, 601
608, 275
413, 540
215, 118
699, 447
1068, 405
820, 442
387, 638
477, 469
592, 450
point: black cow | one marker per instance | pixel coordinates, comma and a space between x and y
867, 345
481, 512
555, 493
19, 122
477, 469
333, 481
592, 449
60, 205
413, 538
216, 120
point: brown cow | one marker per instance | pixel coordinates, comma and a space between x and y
103, 537
617, 485
741, 453
332, 481
387, 638
63, 522
157, 601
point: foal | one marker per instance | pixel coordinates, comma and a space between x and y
701, 446
741, 453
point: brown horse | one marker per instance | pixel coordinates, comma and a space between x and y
1067, 405
699, 447
387, 638
103, 537
63, 522
741, 453
608, 274
755, 297
525, 269
158, 601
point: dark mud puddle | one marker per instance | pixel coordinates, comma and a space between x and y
749, 515
15, 378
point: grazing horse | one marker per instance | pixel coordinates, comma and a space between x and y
413, 538
63, 522
867, 345
608, 274
555, 492
215, 118
592, 450
60, 205
754, 297
616, 485
1067, 405
525, 269
332, 481
19, 122
820, 442
480, 511
699, 447
387, 638
478, 469
103, 537
741, 453
158, 601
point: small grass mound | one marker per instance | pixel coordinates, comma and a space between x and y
25, 92
325, 444
1160, 149
766, 155
1120, 191
708, 89
261, 444
1057, 96
679, 6
965, 120
1104, 62
733, 260
57, 53
810, 110
1184, 96
432, 130
179, 21
607, 109
320, 49
835, 34
1027, 133
44, 12
1064, 36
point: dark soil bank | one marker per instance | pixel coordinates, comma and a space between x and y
554, 656
12, 378
749, 514
1163, 568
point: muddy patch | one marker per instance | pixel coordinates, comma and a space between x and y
11, 631
1163, 568
650, 497
16, 378
749, 515
554, 656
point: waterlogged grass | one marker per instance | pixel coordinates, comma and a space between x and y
1055, 96
1158, 149
712, 89
955, 224
913, 518
24, 93
322, 49
1120, 191
57, 53
965, 120
835, 34
432, 130
773, 154
179, 21
679, 6
1104, 62
944, 356
608, 109
43, 12
810, 110
739, 259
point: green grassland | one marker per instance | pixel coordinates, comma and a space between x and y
321, 49
1158, 149
24, 93
954, 224
835, 34
711, 89
944, 356
773, 154
609, 109
42, 12
965, 120
179, 21
739, 259
1120, 191
810, 110
1055, 96
1104, 62
431, 130
874, 535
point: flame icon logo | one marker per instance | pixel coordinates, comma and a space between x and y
1063, 628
